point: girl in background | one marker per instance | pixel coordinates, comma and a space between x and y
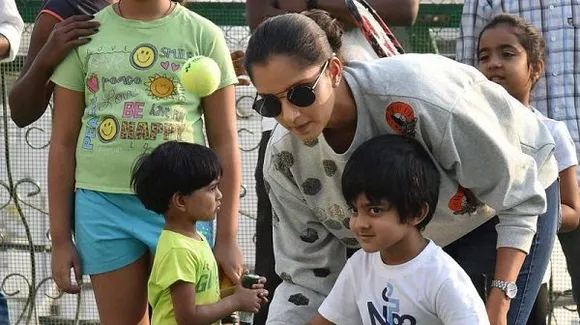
512, 53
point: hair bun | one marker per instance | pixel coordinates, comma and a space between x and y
330, 25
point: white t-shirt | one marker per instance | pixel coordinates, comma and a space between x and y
565, 153
430, 289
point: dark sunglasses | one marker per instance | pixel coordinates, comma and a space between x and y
299, 95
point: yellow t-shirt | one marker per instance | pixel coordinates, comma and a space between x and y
180, 258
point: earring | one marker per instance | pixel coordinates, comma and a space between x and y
336, 82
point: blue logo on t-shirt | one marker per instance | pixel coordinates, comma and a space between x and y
390, 310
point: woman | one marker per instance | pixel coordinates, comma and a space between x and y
495, 158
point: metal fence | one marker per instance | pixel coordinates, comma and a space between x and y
24, 245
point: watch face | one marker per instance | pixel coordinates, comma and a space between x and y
512, 290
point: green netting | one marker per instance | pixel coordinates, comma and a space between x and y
24, 246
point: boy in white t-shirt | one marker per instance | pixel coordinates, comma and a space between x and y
399, 277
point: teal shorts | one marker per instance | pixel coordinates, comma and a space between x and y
115, 230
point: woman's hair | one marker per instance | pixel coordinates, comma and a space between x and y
529, 37
330, 25
309, 38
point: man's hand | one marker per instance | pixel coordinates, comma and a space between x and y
229, 258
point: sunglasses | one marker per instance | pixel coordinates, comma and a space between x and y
300, 95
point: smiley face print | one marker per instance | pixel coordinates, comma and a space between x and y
108, 129
143, 56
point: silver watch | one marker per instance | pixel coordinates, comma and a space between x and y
509, 288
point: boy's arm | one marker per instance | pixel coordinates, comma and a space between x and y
227, 292
187, 312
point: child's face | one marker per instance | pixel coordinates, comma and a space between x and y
503, 60
203, 204
378, 227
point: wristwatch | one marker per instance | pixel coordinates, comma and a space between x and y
312, 4
509, 288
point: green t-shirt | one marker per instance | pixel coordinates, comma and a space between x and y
134, 99
180, 258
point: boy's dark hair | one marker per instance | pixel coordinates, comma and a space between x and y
528, 35
173, 167
309, 39
395, 169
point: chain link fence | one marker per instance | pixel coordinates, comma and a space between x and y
24, 245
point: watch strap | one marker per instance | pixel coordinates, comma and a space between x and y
505, 287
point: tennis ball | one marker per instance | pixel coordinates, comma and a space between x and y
200, 76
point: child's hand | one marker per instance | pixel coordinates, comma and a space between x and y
65, 257
260, 285
250, 300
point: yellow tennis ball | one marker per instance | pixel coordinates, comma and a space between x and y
200, 76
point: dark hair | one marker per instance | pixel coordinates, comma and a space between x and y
395, 169
310, 38
331, 26
173, 167
529, 37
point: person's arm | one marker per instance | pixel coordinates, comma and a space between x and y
567, 165
393, 12
483, 147
260, 10
570, 198
219, 110
220, 117
70, 105
11, 26
179, 270
187, 312
476, 14
61, 183
50, 42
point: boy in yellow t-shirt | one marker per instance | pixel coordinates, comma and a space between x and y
180, 180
